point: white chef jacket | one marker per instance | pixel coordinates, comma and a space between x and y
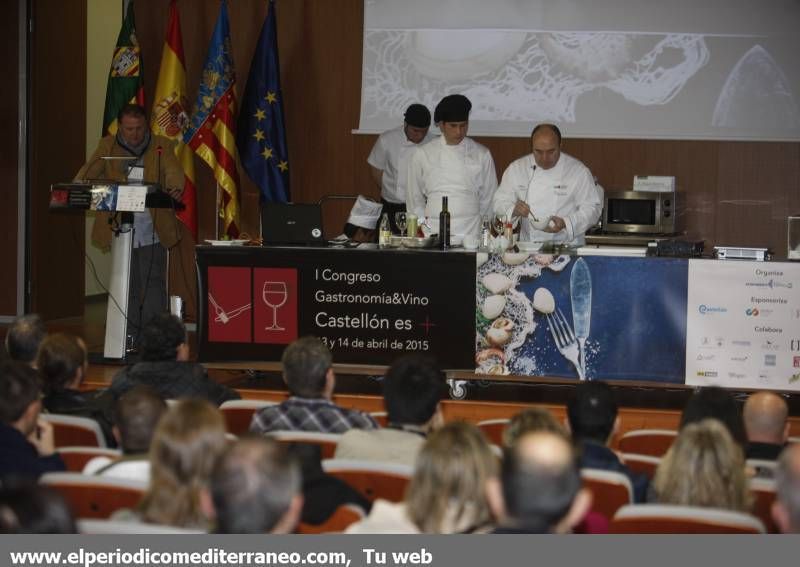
390, 154
464, 173
566, 190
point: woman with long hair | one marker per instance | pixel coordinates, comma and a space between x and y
186, 444
704, 467
447, 493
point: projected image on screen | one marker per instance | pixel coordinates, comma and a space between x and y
525, 62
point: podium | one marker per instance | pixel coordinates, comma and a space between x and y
122, 200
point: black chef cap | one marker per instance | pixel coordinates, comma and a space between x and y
452, 108
418, 116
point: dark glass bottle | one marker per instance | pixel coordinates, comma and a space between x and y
444, 226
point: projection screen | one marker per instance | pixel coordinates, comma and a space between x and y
688, 69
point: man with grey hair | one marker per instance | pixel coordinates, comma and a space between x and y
786, 508
24, 336
308, 374
255, 489
766, 422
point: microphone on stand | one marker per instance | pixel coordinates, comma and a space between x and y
159, 151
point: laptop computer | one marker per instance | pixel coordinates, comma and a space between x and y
292, 224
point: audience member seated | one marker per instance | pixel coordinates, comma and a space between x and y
255, 489
165, 365
27, 447
308, 374
63, 363
187, 442
363, 220
540, 489
717, 403
447, 493
412, 389
530, 420
23, 338
704, 467
322, 493
766, 423
786, 509
136, 417
29, 508
592, 418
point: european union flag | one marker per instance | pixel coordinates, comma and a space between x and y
261, 135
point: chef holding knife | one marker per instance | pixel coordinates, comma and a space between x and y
553, 193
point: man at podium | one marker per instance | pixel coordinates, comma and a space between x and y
136, 156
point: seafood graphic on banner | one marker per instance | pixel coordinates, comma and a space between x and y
583, 318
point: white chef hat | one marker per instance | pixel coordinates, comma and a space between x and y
365, 213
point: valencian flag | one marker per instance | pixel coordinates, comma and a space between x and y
261, 136
125, 83
170, 116
211, 131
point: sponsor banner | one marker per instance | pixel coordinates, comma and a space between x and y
368, 306
743, 324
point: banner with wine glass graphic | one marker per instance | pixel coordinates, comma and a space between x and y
368, 306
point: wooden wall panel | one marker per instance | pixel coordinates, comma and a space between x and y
57, 147
9, 114
320, 49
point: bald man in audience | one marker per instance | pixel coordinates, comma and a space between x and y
786, 508
541, 488
767, 425
255, 489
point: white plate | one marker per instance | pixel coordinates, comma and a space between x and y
528, 246
226, 242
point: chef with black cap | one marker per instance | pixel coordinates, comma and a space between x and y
388, 160
452, 166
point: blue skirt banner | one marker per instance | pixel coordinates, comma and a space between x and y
594, 318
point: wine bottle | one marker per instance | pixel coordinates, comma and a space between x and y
384, 232
444, 226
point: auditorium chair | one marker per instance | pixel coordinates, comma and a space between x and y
327, 442
342, 517
762, 468
668, 519
239, 413
96, 526
763, 493
493, 429
75, 458
653, 442
610, 490
643, 464
380, 417
75, 431
372, 479
95, 496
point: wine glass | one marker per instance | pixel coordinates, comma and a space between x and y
400, 220
274, 295
499, 225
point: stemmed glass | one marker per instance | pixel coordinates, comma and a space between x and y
401, 221
274, 295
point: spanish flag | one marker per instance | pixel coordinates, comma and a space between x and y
212, 129
170, 116
125, 84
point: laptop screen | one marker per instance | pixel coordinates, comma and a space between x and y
291, 223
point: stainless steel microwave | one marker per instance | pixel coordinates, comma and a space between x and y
639, 212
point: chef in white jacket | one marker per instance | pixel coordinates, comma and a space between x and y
454, 166
549, 184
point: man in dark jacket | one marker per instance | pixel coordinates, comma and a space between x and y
165, 366
62, 362
592, 414
27, 446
